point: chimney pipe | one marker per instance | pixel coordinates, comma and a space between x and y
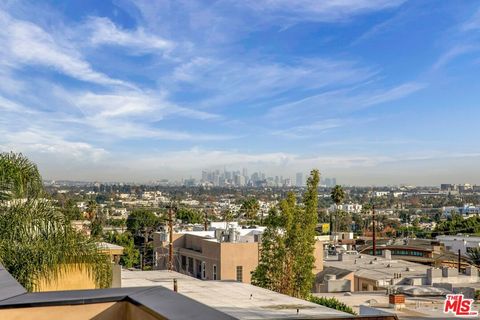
373, 227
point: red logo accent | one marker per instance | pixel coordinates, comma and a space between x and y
459, 306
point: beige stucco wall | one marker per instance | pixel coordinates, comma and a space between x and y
362, 284
73, 277
226, 256
318, 254
238, 254
96, 311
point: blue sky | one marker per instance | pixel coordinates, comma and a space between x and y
369, 91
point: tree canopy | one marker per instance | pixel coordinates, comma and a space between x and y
36, 238
287, 250
142, 220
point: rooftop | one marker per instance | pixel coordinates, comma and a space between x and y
240, 300
415, 307
377, 268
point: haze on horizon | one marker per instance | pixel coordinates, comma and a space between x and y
371, 92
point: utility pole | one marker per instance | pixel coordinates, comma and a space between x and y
373, 227
170, 240
459, 260
205, 221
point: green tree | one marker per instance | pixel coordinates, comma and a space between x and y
19, 177
338, 195
474, 255
98, 222
141, 221
36, 239
304, 225
189, 215
71, 211
286, 255
131, 255
332, 303
250, 209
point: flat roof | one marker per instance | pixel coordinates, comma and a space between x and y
239, 300
159, 301
415, 307
377, 268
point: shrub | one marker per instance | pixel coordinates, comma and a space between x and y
332, 303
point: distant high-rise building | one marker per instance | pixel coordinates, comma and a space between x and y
299, 179
334, 182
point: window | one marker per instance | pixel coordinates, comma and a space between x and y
239, 273
184, 263
203, 271
214, 272
190, 265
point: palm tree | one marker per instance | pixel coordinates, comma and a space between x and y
19, 177
250, 208
474, 255
36, 240
338, 195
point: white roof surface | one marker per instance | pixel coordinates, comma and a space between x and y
240, 300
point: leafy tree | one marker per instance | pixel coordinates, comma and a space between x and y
304, 225
71, 211
332, 303
343, 221
121, 223
131, 255
98, 222
338, 195
286, 255
142, 221
273, 272
474, 255
250, 208
189, 215
19, 177
227, 216
92, 209
36, 239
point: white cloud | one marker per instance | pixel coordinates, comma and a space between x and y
24, 43
324, 11
308, 130
227, 82
344, 100
473, 23
39, 141
133, 104
453, 53
104, 31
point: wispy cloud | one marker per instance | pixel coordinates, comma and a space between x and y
104, 31
227, 82
324, 11
311, 129
344, 100
472, 23
25, 43
37, 140
453, 53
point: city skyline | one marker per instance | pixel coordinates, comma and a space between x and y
371, 92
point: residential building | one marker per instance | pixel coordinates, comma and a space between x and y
361, 272
220, 254
462, 243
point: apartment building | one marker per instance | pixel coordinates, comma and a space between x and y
464, 243
220, 254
